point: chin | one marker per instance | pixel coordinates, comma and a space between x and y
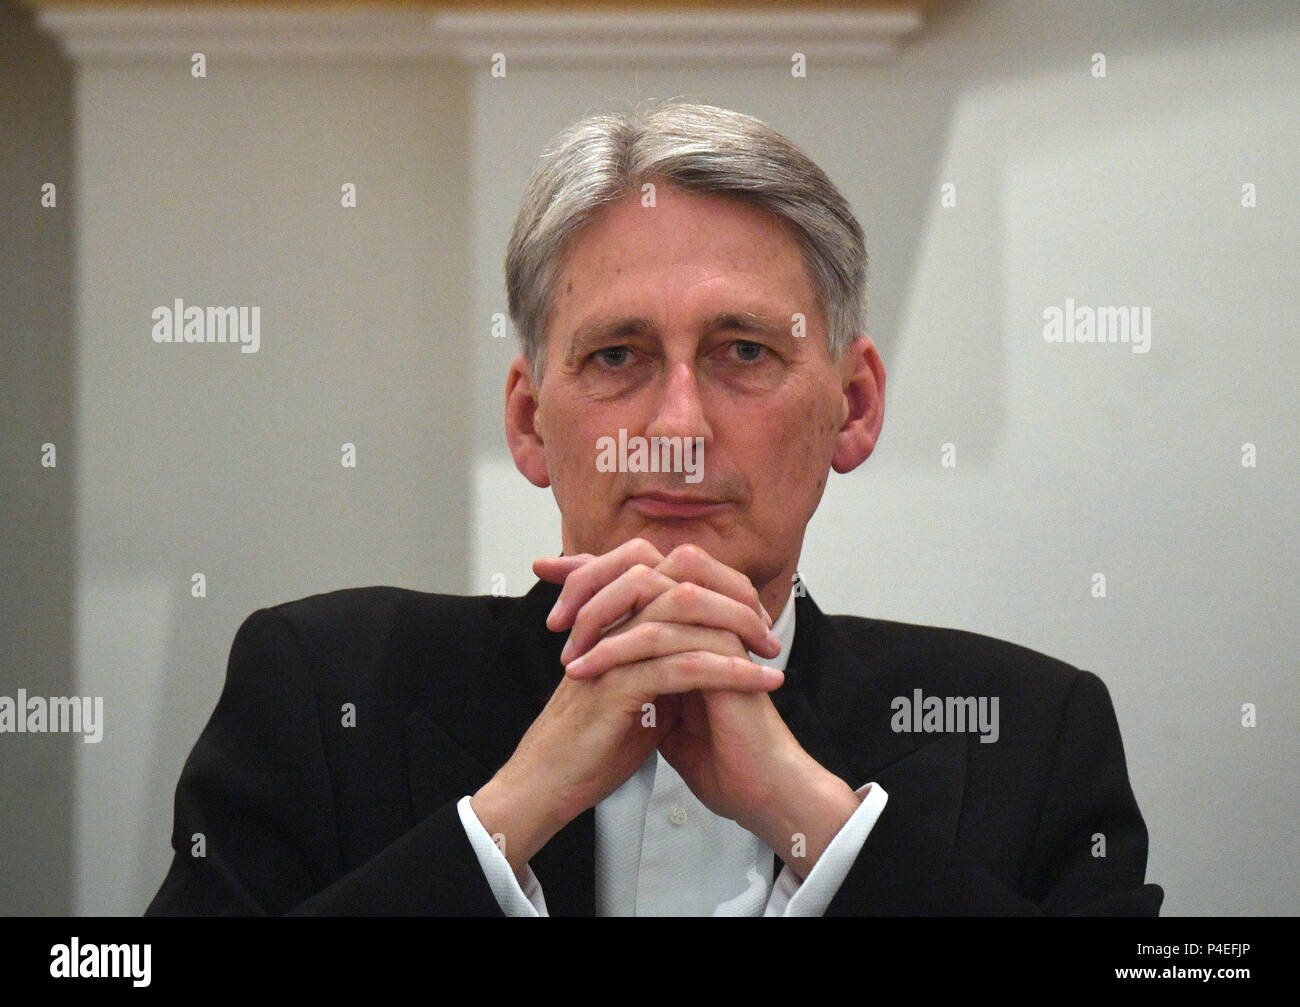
667, 535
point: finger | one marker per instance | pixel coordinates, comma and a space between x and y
613, 605
675, 674
554, 569
650, 640
690, 562
589, 578
663, 602
694, 605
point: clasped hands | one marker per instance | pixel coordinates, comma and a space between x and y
669, 637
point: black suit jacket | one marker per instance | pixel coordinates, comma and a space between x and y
300, 814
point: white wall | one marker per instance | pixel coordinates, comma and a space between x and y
1071, 459
200, 458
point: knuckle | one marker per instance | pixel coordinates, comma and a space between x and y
651, 632
688, 553
640, 572
642, 547
688, 593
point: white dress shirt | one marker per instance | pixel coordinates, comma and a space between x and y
660, 852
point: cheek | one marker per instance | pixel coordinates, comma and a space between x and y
572, 454
791, 460
803, 436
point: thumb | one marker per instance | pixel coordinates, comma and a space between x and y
556, 569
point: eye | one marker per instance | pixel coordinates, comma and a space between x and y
613, 356
748, 351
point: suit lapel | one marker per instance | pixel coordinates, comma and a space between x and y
474, 685
832, 702
838, 706
566, 866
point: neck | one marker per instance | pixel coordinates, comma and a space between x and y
775, 595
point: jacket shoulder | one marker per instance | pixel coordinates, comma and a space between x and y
955, 658
348, 633
375, 610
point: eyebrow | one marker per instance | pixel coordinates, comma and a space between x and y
617, 328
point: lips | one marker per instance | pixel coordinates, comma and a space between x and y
671, 505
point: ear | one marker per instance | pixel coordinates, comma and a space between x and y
863, 375
521, 432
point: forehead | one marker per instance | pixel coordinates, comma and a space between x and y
679, 224
688, 251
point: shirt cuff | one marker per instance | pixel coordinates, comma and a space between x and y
791, 898
513, 898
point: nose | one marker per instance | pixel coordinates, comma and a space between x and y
679, 411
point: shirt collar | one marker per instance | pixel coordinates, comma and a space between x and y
783, 628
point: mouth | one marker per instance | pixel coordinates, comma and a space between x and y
672, 505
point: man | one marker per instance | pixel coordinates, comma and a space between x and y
688, 287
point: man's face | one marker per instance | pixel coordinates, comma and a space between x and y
678, 321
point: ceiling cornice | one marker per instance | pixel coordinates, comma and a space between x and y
591, 36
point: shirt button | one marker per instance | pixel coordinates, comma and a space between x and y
678, 815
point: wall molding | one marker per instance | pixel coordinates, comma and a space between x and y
135, 33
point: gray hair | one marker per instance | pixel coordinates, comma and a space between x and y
699, 148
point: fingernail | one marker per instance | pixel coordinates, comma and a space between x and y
766, 616
773, 676
576, 666
773, 641
567, 651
